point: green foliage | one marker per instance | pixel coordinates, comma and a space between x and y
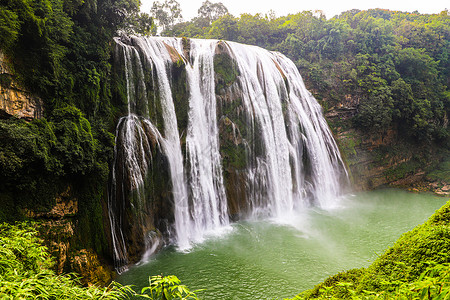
21, 250
225, 28
25, 274
145, 25
9, 26
64, 145
25, 270
39, 158
442, 172
166, 288
211, 11
60, 49
433, 283
376, 112
225, 69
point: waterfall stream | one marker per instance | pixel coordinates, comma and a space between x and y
244, 131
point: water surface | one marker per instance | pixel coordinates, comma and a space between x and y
267, 259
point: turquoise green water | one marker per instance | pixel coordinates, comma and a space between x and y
267, 260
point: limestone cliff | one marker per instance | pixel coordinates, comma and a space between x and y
57, 227
60, 222
385, 158
14, 100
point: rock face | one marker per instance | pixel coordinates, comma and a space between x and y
66, 206
57, 227
14, 100
92, 270
380, 159
58, 234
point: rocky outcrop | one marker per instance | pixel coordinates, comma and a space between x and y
381, 159
57, 235
233, 160
66, 206
57, 227
92, 270
14, 100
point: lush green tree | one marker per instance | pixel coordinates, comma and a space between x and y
225, 28
375, 112
145, 25
140, 24
166, 14
211, 11
197, 28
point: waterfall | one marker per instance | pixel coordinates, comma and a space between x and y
234, 129
209, 207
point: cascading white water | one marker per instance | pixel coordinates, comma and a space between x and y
156, 52
268, 81
261, 82
297, 161
323, 152
132, 147
209, 209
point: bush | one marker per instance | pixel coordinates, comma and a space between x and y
25, 273
166, 288
37, 159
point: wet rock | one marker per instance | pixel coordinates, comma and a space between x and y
57, 235
87, 263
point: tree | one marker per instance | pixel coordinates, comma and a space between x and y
225, 28
167, 13
375, 112
212, 11
145, 25
139, 23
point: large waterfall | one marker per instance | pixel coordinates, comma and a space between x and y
215, 130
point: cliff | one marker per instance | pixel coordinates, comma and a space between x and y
58, 227
376, 159
33, 187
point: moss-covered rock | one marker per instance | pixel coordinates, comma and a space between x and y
88, 265
225, 67
180, 95
144, 207
56, 170
375, 159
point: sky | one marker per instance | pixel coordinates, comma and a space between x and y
329, 7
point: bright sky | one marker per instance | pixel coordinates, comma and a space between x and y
329, 7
